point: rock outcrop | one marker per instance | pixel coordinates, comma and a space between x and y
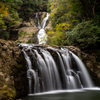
12, 71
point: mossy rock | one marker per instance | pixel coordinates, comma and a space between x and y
7, 93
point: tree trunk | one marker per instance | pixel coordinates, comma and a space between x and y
93, 9
92, 6
85, 9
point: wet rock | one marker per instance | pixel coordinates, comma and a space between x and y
10, 48
0, 45
99, 75
98, 67
9, 52
8, 80
2, 42
4, 47
3, 54
17, 54
0, 62
16, 49
0, 49
90, 65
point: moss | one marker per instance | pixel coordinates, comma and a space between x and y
29, 41
20, 66
7, 93
95, 62
24, 33
21, 58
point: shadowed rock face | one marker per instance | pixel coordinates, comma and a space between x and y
13, 35
13, 80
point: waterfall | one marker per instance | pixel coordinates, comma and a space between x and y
43, 24
38, 22
41, 35
50, 69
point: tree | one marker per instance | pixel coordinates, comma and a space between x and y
89, 8
29, 7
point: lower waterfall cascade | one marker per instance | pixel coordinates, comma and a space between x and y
50, 69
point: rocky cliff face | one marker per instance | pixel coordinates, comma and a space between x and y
13, 80
12, 71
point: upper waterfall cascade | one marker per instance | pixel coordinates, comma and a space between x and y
41, 35
51, 69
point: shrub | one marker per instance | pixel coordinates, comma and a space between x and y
85, 35
29, 41
62, 27
56, 38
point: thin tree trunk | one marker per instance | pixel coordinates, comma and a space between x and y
85, 9
92, 8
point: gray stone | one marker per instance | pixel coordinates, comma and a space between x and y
4, 47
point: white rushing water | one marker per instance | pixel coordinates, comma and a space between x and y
41, 35
51, 70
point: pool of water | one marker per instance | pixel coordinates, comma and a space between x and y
66, 95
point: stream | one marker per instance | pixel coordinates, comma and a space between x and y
79, 95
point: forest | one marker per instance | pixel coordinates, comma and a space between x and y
74, 22
13, 12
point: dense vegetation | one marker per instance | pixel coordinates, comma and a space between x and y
75, 22
13, 12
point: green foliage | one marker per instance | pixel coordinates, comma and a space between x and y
29, 41
55, 38
62, 27
8, 92
71, 10
87, 9
3, 27
29, 7
85, 35
64, 13
13, 11
59, 16
23, 33
8, 18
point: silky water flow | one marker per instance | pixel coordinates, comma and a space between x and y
51, 69
41, 35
